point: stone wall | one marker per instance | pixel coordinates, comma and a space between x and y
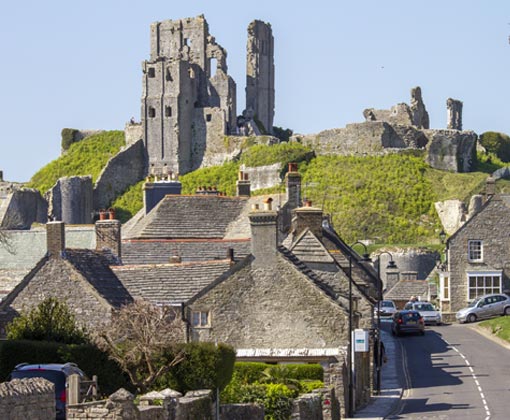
307, 406
126, 168
451, 150
263, 176
241, 412
22, 207
22, 399
70, 200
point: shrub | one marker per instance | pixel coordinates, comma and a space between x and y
205, 366
51, 320
251, 372
68, 137
497, 143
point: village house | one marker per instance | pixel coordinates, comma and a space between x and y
478, 257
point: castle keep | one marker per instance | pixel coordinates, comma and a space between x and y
189, 100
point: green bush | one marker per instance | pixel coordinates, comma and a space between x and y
222, 177
261, 155
129, 203
497, 143
205, 366
251, 372
51, 320
90, 359
307, 386
68, 137
276, 398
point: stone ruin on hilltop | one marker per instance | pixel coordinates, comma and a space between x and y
188, 121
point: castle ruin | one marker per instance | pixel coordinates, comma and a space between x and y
188, 98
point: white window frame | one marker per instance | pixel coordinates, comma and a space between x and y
475, 247
444, 286
481, 285
200, 319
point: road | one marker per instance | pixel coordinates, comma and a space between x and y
453, 372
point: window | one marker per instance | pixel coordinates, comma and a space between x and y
483, 283
152, 72
200, 319
168, 111
475, 251
208, 117
444, 287
152, 112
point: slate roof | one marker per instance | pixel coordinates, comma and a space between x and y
170, 283
404, 289
95, 266
158, 251
309, 249
189, 217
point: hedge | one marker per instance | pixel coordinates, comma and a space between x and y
206, 366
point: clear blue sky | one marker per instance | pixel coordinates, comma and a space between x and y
78, 63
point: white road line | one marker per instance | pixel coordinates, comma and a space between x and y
473, 375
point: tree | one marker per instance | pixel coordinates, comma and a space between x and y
143, 339
497, 143
51, 320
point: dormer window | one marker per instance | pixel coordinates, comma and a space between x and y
475, 251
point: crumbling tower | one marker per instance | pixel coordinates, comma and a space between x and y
260, 73
454, 110
185, 96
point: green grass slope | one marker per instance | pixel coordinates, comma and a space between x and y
86, 157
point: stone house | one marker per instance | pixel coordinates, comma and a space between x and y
478, 257
402, 292
275, 307
82, 278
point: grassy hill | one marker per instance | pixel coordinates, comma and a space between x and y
387, 198
86, 157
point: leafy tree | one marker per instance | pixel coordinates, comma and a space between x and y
497, 143
51, 320
140, 339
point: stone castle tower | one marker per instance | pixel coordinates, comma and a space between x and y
186, 94
260, 73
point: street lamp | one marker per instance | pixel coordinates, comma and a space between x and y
365, 258
378, 361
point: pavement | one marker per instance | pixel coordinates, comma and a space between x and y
382, 405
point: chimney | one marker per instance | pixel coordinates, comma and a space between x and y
264, 235
490, 186
154, 192
55, 239
307, 217
293, 187
243, 185
108, 236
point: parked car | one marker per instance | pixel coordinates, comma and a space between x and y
385, 308
56, 373
407, 321
486, 306
429, 313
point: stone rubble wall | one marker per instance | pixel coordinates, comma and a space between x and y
32, 398
263, 176
124, 169
70, 200
22, 207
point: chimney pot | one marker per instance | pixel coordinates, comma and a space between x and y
255, 207
246, 177
102, 215
308, 203
268, 204
241, 175
111, 214
292, 167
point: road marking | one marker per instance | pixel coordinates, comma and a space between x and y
482, 396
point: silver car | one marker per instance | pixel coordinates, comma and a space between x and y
486, 306
429, 313
385, 308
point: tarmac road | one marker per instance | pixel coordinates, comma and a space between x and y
452, 372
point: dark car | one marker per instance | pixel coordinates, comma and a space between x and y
407, 321
56, 373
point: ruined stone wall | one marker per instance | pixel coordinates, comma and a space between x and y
454, 109
22, 207
260, 73
208, 130
451, 150
177, 84
126, 168
70, 200
263, 176
133, 132
22, 399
